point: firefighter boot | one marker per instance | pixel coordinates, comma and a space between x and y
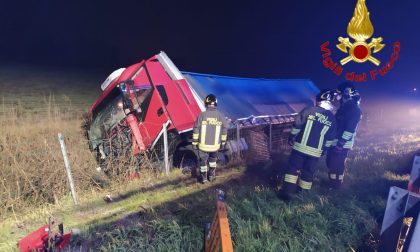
335, 181
203, 177
212, 174
289, 187
287, 192
335, 184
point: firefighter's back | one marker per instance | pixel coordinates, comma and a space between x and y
211, 126
319, 128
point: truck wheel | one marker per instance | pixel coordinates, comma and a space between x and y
186, 160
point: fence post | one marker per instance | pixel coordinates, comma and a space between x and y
68, 168
238, 139
165, 148
270, 137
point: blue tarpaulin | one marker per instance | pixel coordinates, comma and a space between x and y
244, 97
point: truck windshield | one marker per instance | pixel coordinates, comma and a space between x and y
105, 117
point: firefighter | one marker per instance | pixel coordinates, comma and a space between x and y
347, 117
209, 135
313, 132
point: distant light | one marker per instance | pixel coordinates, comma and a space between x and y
414, 89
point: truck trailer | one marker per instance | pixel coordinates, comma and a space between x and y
140, 102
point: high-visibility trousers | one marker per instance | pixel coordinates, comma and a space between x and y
299, 172
207, 159
336, 163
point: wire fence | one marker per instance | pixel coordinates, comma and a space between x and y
256, 141
252, 141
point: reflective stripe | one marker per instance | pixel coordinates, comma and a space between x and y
295, 131
347, 135
334, 142
308, 129
194, 143
334, 176
321, 138
195, 136
209, 148
290, 178
304, 184
328, 143
217, 134
212, 164
203, 168
224, 137
203, 134
307, 150
348, 144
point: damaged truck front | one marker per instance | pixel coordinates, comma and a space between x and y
140, 102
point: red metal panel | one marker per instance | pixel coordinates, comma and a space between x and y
182, 108
188, 93
141, 78
153, 123
38, 240
34, 241
128, 72
137, 140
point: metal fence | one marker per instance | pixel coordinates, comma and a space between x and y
252, 140
256, 139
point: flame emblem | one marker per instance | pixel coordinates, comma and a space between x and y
360, 29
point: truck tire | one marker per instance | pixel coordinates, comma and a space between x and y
186, 160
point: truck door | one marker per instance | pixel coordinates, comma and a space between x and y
150, 108
179, 102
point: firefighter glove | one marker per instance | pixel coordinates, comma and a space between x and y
338, 149
340, 144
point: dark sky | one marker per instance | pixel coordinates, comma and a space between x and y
271, 39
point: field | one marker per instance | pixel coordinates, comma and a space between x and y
168, 213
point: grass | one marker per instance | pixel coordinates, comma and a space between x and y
161, 213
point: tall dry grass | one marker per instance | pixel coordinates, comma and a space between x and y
31, 164
32, 171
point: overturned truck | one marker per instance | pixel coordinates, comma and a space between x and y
140, 102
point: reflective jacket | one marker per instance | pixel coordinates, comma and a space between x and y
210, 130
313, 131
348, 117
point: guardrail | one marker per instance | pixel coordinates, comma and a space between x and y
400, 230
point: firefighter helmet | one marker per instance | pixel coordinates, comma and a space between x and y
210, 100
325, 95
347, 90
324, 99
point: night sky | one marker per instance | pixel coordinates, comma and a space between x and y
267, 39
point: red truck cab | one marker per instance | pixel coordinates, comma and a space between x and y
139, 101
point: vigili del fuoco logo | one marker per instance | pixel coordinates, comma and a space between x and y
361, 48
